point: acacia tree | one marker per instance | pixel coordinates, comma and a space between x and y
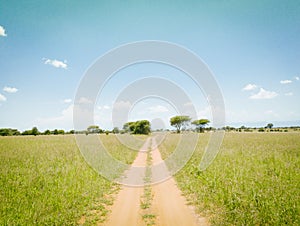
200, 124
179, 121
269, 126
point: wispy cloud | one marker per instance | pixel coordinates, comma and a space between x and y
285, 81
264, 94
105, 107
250, 87
84, 100
56, 63
288, 94
297, 78
10, 89
2, 31
66, 101
2, 97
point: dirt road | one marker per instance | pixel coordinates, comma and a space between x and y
168, 206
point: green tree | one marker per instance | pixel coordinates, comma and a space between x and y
61, 131
9, 132
269, 126
142, 127
179, 121
94, 129
27, 132
35, 131
200, 124
129, 127
47, 132
138, 127
116, 130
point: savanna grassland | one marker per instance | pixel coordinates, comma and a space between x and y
45, 180
255, 179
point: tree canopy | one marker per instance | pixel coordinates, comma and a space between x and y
138, 127
200, 124
179, 121
94, 129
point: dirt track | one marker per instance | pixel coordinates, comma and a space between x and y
167, 205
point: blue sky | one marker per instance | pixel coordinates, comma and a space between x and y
252, 48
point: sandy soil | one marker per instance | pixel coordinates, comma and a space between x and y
168, 204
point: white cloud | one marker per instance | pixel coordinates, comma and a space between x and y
106, 107
2, 98
264, 94
297, 78
250, 87
10, 89
56, 63
84, 100
66, 101
157, 109
288, 94
285, 81
2, 31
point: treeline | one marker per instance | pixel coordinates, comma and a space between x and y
261, 129
138, 127
34, 131
180, 123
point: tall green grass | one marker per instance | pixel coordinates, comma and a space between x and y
45, 180
255, 179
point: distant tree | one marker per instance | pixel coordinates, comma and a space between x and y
55, 132
129, 127
61, 132
116, 130
142, 127
138, 127
94, 129
9, 132
35, 131
47, 132
200, 124
27, 132
179, 121
72, 131
229, 128
269, 126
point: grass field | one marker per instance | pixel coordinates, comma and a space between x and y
255, 180
45, 180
